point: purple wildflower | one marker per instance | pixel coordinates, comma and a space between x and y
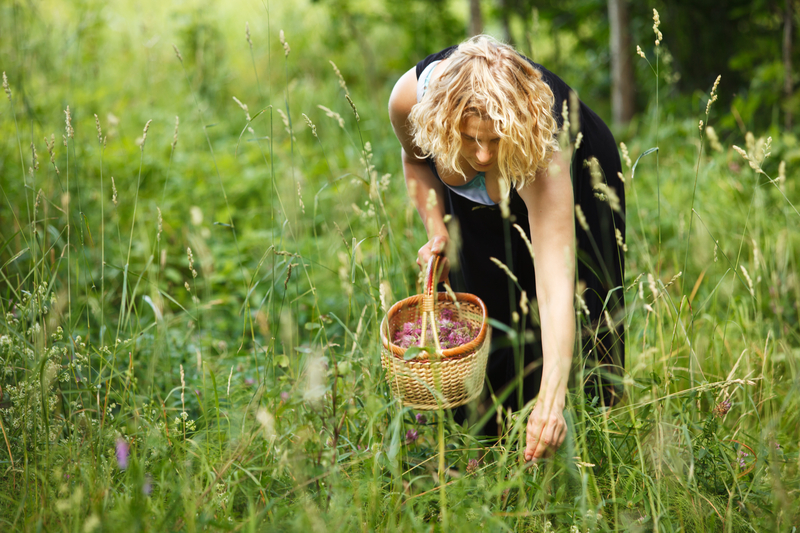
742, 454
722, 408
147, 488
285, 396
421, 419
472, 466
122, 453
452, 333
411, 436
249, 381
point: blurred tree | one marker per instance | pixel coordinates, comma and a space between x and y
475, 18
622, 81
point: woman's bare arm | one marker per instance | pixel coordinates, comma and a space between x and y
418, 175
551, 213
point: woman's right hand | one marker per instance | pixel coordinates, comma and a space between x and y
435, 246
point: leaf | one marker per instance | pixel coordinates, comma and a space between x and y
414, 351
646, 152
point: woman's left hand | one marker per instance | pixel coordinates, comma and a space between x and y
546, 429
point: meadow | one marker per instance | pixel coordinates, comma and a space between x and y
203, 220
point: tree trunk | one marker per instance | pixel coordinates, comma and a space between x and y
787, 64
505, 19
475, 18
622, 83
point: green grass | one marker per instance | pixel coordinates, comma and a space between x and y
255, 400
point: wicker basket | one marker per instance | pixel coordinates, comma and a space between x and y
436, 382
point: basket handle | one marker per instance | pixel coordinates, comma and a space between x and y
429, 301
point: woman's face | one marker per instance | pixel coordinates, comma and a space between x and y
479, 142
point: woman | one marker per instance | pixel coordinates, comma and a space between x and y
478, 124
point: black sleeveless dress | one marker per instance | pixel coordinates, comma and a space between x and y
599, 266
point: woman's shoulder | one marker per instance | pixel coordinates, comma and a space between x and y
438, 56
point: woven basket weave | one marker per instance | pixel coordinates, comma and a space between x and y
436, 382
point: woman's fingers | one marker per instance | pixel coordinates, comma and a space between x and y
544, 435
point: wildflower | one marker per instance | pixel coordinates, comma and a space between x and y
411, 436
147, 486
472, 466
722, 408
122, 449
285, 396
421, 419
741, 455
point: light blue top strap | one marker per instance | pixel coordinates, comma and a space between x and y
422, 82
474, 189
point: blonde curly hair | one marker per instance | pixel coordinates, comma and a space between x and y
490, 80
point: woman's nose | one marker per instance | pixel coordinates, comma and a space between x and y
483, 155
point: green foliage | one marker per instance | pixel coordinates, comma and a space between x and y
195, 344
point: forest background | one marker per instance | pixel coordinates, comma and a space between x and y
203, 220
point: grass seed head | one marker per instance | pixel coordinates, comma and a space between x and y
640, 52
247, 34
625, 155
178, 53
34, 157
656, 24
342, 84
285, 44
113, 191
144, 134
353, 105
620, 240
311, 125
175, 136
581, 217
6, 87
713, 96
332, 114
68, 121
160, 225
244, 108
713, 140
99, 130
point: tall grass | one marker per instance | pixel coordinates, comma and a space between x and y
201, 351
